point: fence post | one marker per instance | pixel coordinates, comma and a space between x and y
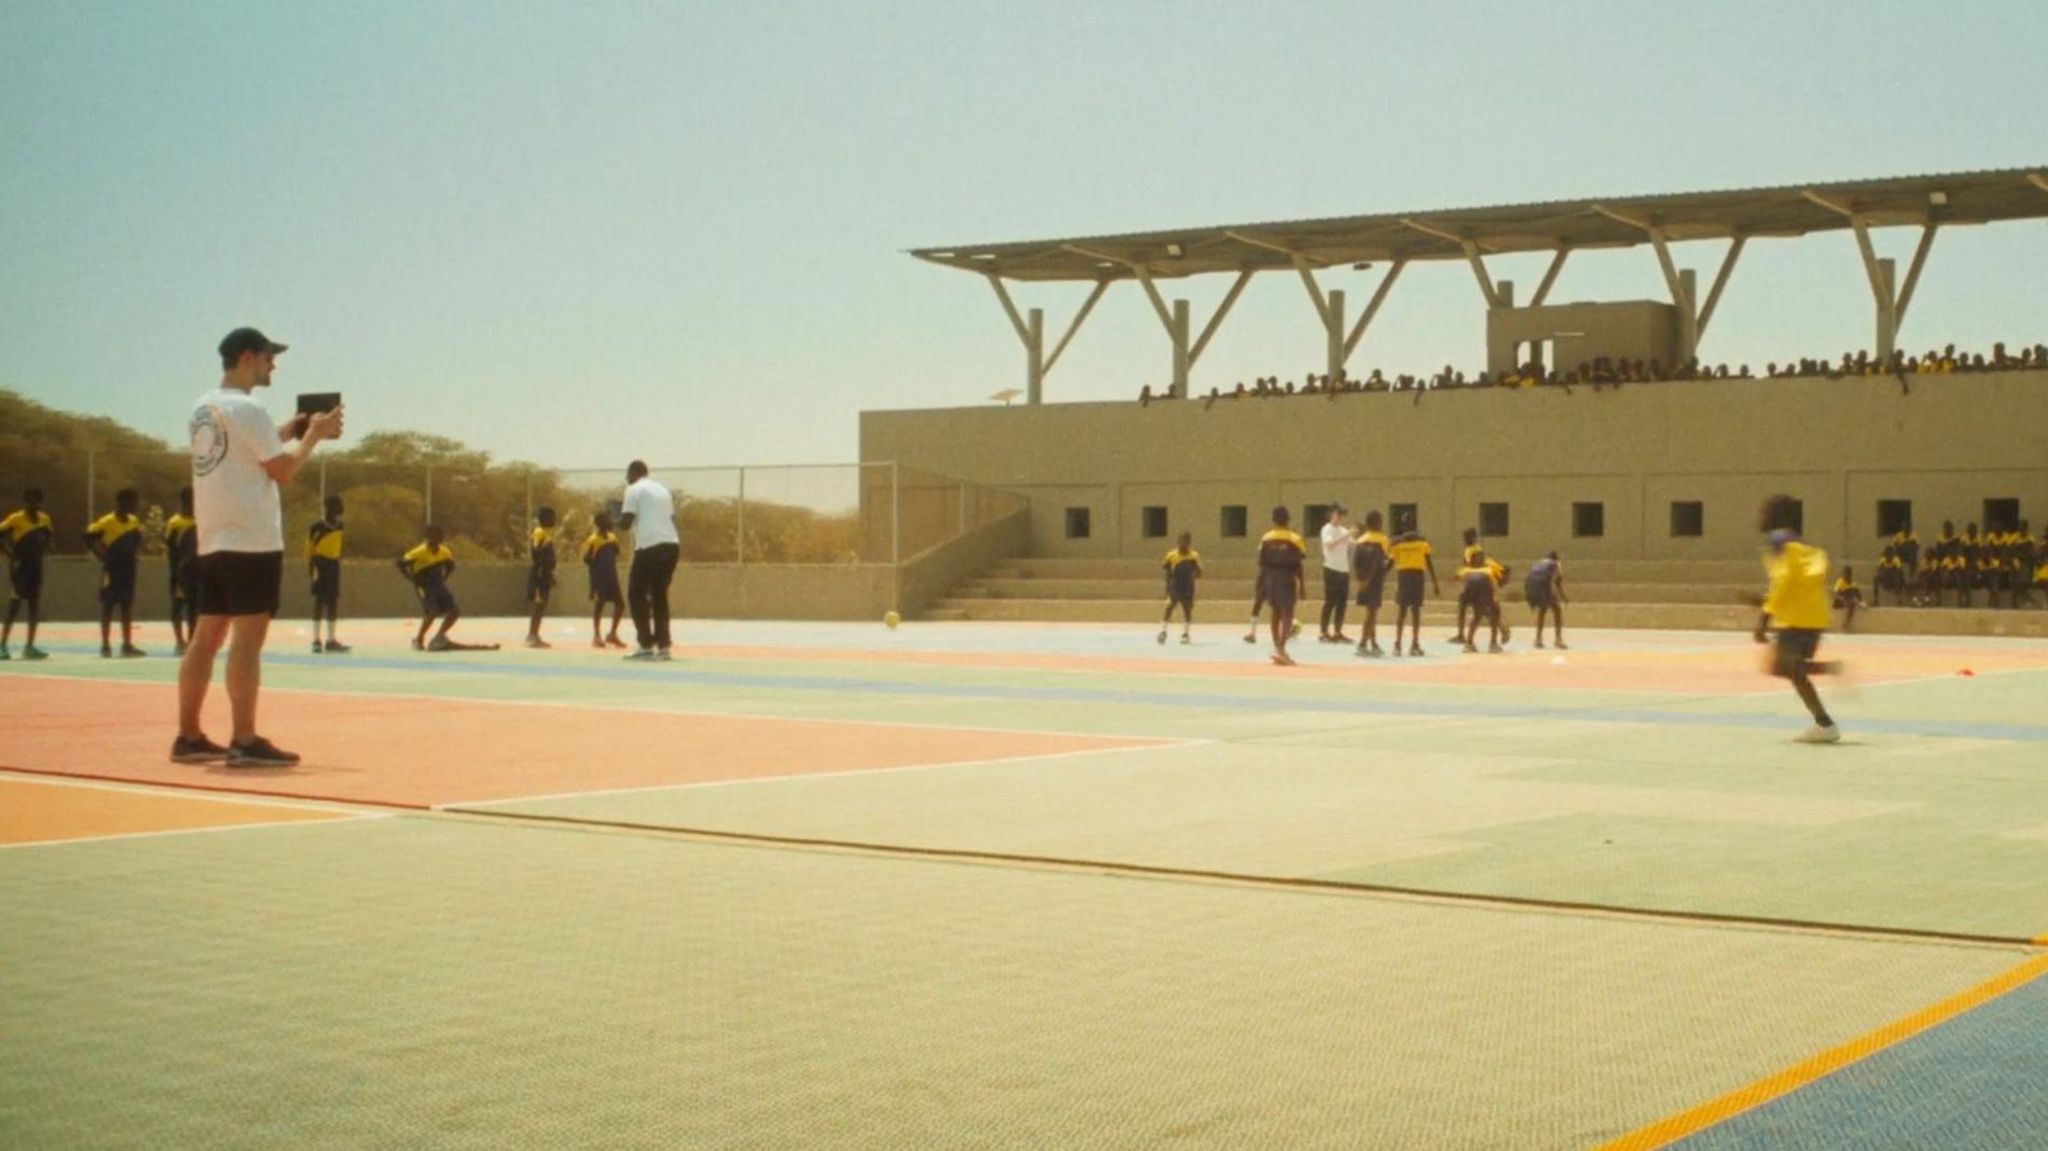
91, 468
323, 485
739, 542
430, 493
529, 502
895, 536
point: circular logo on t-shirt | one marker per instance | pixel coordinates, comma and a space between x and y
209, 440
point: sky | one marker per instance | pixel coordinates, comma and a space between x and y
580, 233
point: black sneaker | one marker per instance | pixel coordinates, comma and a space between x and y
106, 652
260, 752
318, 647
336, 647
196, 749
130, 651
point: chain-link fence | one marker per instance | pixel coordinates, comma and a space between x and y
863, 513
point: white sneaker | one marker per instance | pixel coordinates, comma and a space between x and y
1819, 734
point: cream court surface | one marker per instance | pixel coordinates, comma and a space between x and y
987, 885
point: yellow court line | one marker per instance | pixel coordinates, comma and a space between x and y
1669, 1130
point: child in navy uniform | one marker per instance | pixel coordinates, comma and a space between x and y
540, 574
116, 540
1183, 566
601, 558
24, 540
1544, 588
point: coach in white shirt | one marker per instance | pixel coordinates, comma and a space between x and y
649, 512
1337, 542
239, 457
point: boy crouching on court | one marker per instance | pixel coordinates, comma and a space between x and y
428, 565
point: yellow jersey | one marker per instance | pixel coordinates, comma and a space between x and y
423, 560
323, 540
1409, 553
1798, 597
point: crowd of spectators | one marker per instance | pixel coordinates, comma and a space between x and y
1604, 372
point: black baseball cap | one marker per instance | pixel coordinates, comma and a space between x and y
246, 340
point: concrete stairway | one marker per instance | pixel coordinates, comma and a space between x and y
1700, 595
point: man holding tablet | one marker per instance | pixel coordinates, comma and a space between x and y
649, 512
239, 459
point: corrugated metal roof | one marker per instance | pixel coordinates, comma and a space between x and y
1442, 234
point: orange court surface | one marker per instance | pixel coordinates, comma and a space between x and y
1006, 885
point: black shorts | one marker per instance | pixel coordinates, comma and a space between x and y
1277, 589
1408, 588
604, 586
326, 579
26, 578
1844, 599
240, 583
436, 599
1796, 647
539, 586
117, 585
1370, 594
1540, 599
1477, 596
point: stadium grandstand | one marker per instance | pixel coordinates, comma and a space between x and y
1648, 491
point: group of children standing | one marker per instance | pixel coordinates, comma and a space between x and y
1359, 562
116, 540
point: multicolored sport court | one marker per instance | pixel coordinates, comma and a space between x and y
992, 885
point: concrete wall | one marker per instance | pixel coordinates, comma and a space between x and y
933, 575
1632, 330
1839, 445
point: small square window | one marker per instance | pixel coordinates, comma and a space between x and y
1688, 518
1893, 517
1234, 521
2001, 515
1493, 521
1589, 521
1401, 517
1077, 523
1796, 512
1313, 517
1154, 523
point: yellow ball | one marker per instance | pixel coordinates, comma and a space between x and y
892, 619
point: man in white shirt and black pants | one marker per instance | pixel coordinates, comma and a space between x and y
649, 512
239, 457
1337, 544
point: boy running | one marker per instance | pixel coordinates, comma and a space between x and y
428, 565
181, 559
540, 573
116, 540
1544, 587
1369, 573
1798, 605
323, 566
1410, 556
601, 557
24, 539
1281, 555
1183, 566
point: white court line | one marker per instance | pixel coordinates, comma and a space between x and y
173, 791
623, 709
825, 774
198, 830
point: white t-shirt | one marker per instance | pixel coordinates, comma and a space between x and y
233, 499
654, 513
1337, 543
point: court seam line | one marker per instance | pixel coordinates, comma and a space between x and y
1664, 1132
337, 817
145, 787
214, 788
1300, 883
624, 709
822, 775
